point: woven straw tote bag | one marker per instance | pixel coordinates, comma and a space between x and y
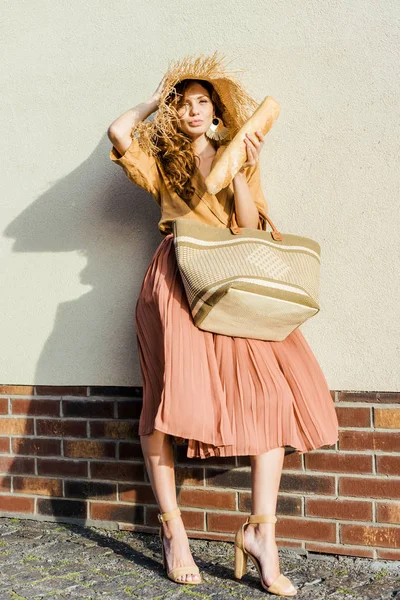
246, 282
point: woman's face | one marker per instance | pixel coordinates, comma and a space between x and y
195, 110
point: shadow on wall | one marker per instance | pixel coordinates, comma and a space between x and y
99, 213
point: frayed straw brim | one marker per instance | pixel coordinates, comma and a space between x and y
237, 102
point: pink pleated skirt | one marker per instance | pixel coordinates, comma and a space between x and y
225, 396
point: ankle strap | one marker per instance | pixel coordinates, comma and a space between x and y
262, 519
162, 517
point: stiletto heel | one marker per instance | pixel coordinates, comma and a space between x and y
178, 571
241, 555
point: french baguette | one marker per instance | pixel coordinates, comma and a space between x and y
235, 154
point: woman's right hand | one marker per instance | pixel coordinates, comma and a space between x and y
156, 95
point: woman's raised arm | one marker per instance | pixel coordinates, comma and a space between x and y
119, 132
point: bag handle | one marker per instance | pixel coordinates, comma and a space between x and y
235, 229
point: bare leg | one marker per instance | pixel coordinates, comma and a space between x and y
259, 538
159, 460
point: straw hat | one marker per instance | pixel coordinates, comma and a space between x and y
238, 104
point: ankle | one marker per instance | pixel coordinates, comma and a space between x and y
262, 529
173, 527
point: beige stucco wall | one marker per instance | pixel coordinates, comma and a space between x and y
77, 236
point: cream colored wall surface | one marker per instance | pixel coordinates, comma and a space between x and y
77, 236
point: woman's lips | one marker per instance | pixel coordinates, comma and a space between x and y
194, 123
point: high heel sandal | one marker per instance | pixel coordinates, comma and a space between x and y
174, 573
241, 555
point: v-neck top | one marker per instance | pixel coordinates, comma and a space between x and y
211, 209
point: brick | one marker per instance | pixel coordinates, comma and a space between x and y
349, 416
388, 554
369, 487
39, 486
15, 504
342, 550
306, 529
388, 465
5, 445
36, 446
115, 430
350, 510
209, 535
317, 484
89, 408
88, 449
90, 489
368, 397
138, 494
338, 463
5, 484
366, 535
388, 397
16, 390
3, 406
325, 448
129, 409
62, 508
130, 451
288, 544
388, 513
284, 528
113, 390
62, 468
293, 462
117, 512
192, 519
356, 397
45, 408
286, 505
387, 418
229, 478
115, 471
61, 390
227, 523
189, 476
207, 499
18, 426
17, 464
369, 440
60, 428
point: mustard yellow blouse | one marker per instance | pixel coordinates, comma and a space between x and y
142, 169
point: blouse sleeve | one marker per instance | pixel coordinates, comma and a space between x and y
253, 177
139, 167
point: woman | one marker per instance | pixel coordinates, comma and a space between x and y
226, 396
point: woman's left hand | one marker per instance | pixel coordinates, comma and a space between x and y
254, 143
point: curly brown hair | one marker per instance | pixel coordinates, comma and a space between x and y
176, 157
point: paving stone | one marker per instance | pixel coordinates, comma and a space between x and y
40, 560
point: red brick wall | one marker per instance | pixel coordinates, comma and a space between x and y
73, 454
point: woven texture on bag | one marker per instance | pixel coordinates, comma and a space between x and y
240, 258
207, 264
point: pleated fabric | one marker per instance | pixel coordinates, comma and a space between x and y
227, 396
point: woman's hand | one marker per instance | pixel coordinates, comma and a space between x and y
156, 95
254, 143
